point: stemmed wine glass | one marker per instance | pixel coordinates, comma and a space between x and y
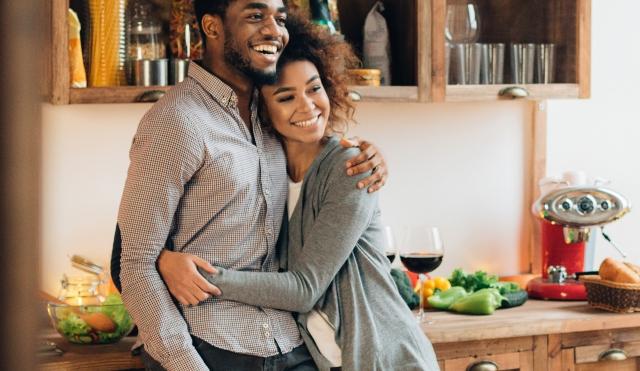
390, 248
422, 253
462, 22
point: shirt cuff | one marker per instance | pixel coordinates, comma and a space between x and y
189, 360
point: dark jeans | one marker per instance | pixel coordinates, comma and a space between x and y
217, 359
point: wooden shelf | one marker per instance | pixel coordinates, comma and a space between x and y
118, 94
466, 93
416, 33
386, 93
132, 94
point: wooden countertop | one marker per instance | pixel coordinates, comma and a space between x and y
115, 356
535, 317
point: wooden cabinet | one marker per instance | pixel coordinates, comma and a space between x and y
538, 336
495, 354
417, 36
599, 350
565, 23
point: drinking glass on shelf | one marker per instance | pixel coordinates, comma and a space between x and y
462, 22
390, 248
422, 252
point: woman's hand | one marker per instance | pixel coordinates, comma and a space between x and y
180, 273
369, 158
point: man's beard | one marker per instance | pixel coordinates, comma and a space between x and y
233, 58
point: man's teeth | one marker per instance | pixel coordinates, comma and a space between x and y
268, 49
306, 123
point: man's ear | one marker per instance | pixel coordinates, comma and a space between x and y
212, 26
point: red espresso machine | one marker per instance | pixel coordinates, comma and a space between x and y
567, 215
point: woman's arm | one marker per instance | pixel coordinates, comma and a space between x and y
344, 216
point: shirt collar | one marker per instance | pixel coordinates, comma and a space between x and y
219, 90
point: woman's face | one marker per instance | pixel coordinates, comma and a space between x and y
297, 104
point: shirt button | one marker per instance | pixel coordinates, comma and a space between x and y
265, 326
266, 192
267, 334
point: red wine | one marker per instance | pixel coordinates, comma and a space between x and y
421, 263
391, 256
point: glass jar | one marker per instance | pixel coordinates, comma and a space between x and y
145, 34
80, 290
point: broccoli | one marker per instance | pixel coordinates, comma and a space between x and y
404, 288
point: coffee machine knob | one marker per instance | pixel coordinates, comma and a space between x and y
566, 204
586, 204
605, 205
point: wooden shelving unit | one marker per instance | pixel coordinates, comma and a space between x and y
416, 29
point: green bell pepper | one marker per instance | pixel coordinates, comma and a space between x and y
444, 299
483, 301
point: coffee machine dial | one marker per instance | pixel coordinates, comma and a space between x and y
581, 206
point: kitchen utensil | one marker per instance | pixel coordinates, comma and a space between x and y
567, 214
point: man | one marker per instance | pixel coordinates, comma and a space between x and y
207, 181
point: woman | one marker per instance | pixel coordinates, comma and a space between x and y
337, 277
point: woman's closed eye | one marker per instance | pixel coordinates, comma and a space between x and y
315, 88
284, 98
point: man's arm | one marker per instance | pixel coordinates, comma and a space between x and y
369, 159
164, 156
180, 270
343, 217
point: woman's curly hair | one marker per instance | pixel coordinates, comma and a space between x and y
331, 56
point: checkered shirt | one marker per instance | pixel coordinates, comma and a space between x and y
197, 181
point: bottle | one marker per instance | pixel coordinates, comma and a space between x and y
321, 15
185, 39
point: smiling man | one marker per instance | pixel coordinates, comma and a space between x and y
206, 180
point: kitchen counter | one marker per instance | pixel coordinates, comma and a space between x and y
115, 356
540, 335
535, 317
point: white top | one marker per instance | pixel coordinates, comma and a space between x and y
317, 323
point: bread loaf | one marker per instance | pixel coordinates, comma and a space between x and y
634, 267
613, 270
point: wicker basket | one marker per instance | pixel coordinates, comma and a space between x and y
612, 296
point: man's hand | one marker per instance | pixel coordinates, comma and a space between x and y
180, 273
369, 158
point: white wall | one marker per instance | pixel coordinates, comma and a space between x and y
456, 166
602, 135
459, 166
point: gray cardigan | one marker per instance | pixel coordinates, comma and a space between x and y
336, 265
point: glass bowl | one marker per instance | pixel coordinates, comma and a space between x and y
90, 324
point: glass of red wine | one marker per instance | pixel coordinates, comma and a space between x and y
390, 247
422, 252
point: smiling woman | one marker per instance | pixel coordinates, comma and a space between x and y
335, 258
